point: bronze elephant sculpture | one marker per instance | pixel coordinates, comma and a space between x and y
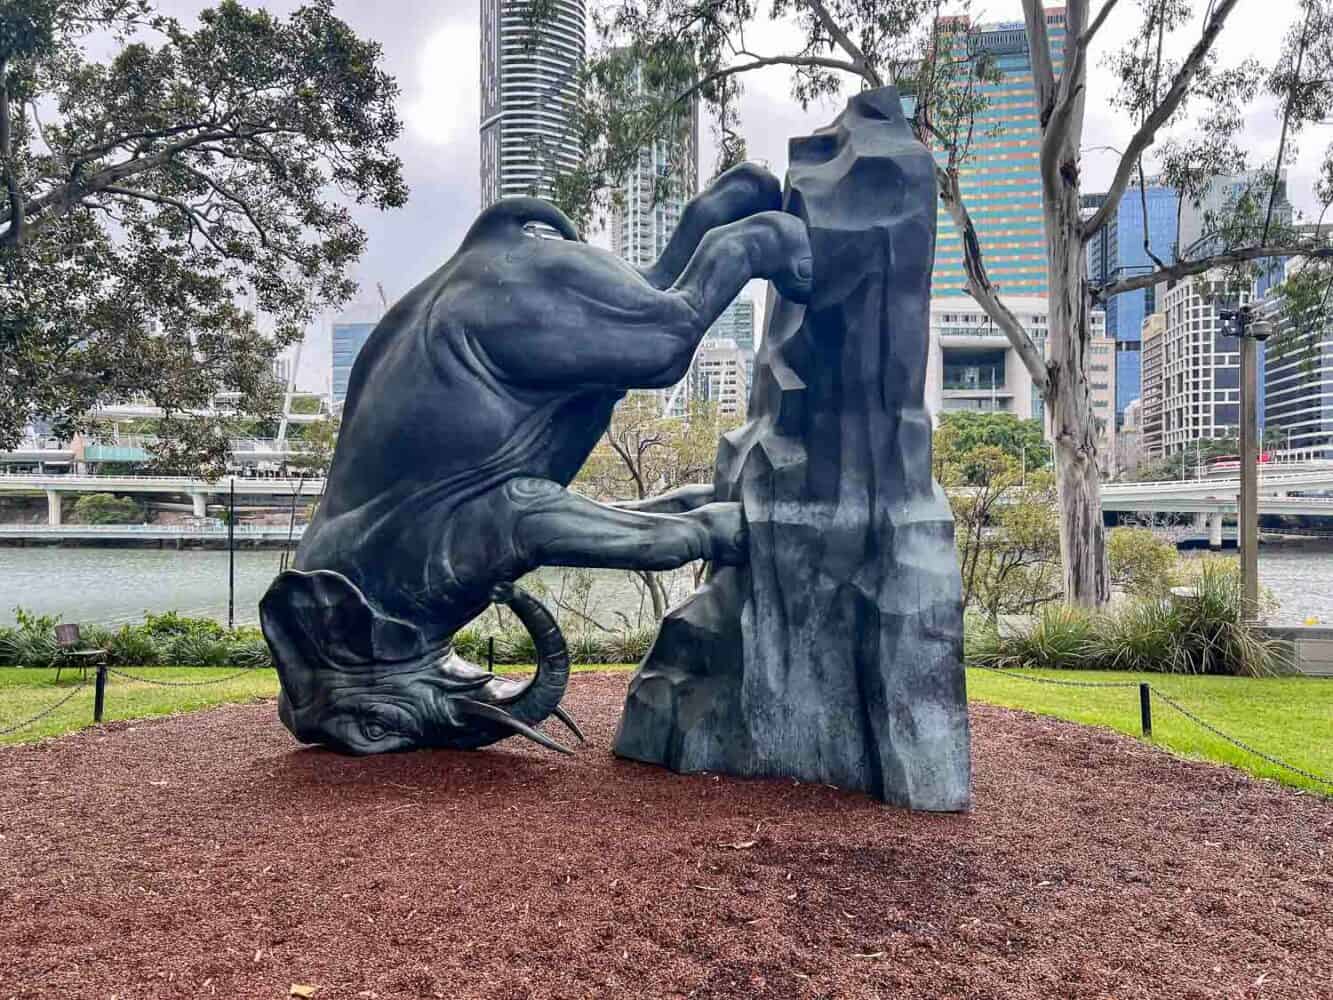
471, 407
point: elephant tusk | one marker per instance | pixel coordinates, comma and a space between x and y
490, 713
569, 722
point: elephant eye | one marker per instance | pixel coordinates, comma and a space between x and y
374, 729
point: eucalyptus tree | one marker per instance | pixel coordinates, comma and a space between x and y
1187, 109
154, 176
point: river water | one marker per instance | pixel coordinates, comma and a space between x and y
113, 586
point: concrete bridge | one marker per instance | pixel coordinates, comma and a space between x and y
198, 490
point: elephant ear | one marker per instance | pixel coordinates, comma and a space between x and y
319, 621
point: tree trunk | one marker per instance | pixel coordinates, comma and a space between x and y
1070, 418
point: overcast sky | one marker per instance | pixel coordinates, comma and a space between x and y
432, 49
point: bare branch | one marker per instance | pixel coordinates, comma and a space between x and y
1147, 132
1286, 121
1043, 72
1085, 39
1186, 268
838, 35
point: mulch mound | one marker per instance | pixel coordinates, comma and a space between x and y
209, 855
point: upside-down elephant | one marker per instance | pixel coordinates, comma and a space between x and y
470, 409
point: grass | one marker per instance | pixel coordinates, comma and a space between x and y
1288, 717
25, 691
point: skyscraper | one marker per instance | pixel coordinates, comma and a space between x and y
1298, 381
529, 91
655, 192
1117, 251
1001, 179
350, 330
736, 323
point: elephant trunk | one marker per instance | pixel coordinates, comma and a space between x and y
540, 697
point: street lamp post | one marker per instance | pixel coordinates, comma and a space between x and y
1244, 324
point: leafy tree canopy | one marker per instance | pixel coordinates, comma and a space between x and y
147, 193
961, 433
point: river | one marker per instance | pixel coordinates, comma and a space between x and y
113, 586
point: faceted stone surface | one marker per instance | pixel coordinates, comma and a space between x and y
835, 654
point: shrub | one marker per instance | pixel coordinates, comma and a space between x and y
1059, 639
171, 624
629, 646
1143, 564
1212, 636
104, 508
133, 647
250, 652
194, 649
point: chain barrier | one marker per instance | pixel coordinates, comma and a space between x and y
1275, 761
1171, 702
183, 684
1051, 680
44, 712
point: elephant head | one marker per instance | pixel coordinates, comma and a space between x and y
360, 682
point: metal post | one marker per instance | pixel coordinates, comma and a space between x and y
490, 653
1249, 472
231, 555
1145, 709
99, 693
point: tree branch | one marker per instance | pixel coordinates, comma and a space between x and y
1189, 267
1039, 46
1086, 38
64, 196
1147, 132
192, 216
13, 189
1286, 121
838, 35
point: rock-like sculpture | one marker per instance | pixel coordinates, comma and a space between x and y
471, 407
834, 654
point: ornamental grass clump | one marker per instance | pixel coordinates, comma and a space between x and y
1060, 638
1204, 632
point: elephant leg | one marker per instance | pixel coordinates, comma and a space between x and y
528, 523
742, 191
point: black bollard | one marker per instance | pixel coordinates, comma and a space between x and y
99, 693
490, 653
1145, 709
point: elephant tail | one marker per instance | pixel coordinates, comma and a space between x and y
509, 216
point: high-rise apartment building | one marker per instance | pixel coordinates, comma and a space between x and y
1298, 382
1120, 249
721, 375
1151, 444
1001, 179
656, 191
1199, 367
736, 323
529, 91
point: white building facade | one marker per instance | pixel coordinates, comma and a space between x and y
529, 93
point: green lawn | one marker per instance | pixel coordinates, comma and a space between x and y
1286, 717
1290, 718
26, 691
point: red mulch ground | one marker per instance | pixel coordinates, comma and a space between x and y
207, 855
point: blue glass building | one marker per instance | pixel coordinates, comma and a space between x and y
1001, 178
1118, 251
348, 339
